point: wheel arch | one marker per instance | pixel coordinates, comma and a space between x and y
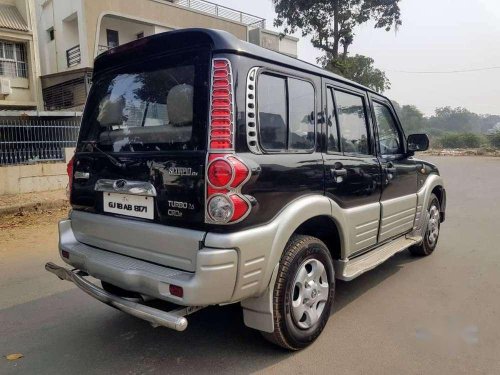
440, 193
326, 229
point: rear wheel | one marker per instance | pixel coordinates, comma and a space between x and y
303, 293
431, 236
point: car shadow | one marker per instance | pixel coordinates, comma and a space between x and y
69, 330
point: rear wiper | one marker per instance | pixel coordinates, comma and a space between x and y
112, 159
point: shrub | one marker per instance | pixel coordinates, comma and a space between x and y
461, 140
494, 139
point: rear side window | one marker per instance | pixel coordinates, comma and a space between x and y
352, 123
285, 113
388, 135
272, 112
301, 101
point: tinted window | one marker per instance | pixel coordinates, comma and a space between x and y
352, 123
388, 135
272, 109
331, 123
148, 107
301, 104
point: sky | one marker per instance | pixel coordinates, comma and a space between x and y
437, 36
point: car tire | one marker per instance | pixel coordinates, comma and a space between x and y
303, 293
429, 242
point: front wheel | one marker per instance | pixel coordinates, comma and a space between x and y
303, 293
431, 236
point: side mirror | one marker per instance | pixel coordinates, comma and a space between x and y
417, 142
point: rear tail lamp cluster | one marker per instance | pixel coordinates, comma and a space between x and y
225, 172
70, 171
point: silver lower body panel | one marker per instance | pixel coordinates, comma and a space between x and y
213, 281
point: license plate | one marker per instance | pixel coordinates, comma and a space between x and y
129, 205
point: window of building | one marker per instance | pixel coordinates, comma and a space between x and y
112, 38
388, 135
331, 123
13, 59
50, 34
140, 35
352, 123
286, 113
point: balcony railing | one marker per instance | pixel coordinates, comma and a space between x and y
73, 56
223, 12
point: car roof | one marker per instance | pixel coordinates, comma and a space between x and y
220, 41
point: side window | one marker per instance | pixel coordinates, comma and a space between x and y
272, 108
388, 135
301, 104
331, 123
286, 110
352, 123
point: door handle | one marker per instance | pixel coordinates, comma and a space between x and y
390, 168
342, 172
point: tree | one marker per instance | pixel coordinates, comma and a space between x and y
455, 120
359, 69
331, 23
412, 119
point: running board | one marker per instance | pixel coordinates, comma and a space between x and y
351, 268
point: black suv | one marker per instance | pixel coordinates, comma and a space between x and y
212, 171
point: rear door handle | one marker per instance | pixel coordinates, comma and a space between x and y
390, 168
342, 172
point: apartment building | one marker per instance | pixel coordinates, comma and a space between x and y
73, 32
19, 67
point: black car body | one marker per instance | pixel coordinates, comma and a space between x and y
203, 160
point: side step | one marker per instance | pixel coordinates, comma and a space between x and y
352, 268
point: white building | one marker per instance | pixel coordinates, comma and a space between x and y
73, 32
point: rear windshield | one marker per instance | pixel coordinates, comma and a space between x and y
159, 105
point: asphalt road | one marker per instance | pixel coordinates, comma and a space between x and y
434, 315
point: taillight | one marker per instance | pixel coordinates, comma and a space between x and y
220, 173
226, 173
70, 170
221, 111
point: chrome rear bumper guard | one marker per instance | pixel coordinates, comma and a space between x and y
173, 319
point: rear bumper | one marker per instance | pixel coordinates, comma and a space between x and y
213, 281
154, 316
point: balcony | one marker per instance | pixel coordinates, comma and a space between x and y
222, 12
73, 56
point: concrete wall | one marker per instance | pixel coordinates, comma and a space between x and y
65, 16
127, 30
154, 12
18, 179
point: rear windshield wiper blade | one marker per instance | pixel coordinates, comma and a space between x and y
112, 159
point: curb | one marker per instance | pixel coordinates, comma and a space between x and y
33, 207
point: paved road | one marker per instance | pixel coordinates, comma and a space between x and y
438, 315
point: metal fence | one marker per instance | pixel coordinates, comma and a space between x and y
32, 141
223, 12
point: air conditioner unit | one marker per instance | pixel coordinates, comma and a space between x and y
5, 88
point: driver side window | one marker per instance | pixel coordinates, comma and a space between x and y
388, 134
